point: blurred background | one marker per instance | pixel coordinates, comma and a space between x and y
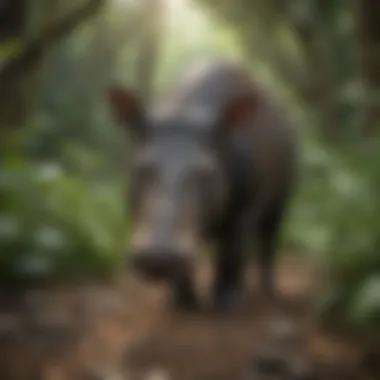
64, 161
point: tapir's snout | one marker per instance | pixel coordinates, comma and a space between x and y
163, 261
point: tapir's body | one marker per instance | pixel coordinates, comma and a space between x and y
225, 165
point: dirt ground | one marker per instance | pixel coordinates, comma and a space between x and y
127, 330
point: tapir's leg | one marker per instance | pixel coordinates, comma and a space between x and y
268, 232
230, 259
184, 296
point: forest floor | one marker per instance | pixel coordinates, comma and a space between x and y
127, 330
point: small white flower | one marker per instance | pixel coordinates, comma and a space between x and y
49, 238
49, 172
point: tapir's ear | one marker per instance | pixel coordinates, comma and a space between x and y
127, 109
237, 111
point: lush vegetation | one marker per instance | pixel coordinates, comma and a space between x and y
65, 161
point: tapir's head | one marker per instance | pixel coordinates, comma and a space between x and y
178, 183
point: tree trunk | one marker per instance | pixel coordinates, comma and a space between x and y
368, 46
12, 19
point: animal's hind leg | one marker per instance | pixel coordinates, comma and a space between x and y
268, 233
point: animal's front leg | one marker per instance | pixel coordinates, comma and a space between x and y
184, 296
230, 261
269, 227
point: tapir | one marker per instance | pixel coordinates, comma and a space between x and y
215, 162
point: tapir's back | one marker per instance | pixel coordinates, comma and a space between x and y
212, 84
266, 134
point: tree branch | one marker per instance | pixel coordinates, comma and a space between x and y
35, 48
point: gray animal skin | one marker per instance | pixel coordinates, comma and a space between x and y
218, 160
